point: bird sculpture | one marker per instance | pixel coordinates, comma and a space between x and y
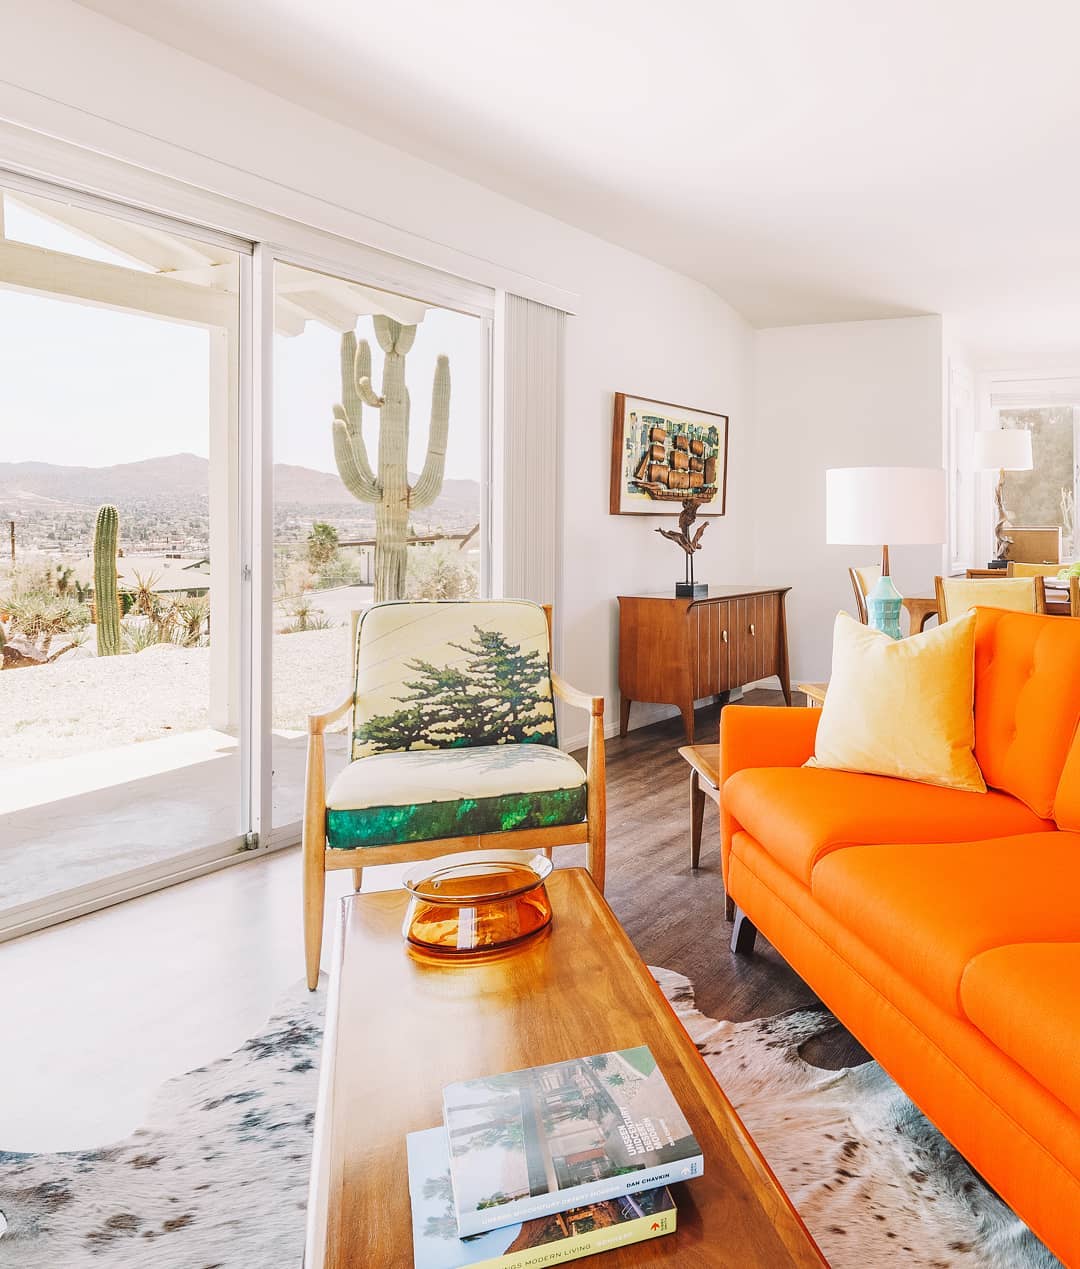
683, 538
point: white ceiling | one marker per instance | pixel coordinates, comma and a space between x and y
810, 160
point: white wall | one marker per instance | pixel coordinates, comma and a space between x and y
640, 328
846, 394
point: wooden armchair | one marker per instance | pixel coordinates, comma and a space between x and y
454, 747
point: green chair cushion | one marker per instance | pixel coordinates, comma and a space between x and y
423, 795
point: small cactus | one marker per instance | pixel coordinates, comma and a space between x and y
106, 601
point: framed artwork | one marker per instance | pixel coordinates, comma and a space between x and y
662, 454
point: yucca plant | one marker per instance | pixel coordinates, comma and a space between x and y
40, 616
190, 616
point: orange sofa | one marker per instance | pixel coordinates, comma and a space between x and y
942, 928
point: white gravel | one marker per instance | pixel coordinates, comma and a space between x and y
83, 702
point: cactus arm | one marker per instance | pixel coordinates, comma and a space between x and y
350, 454
429, 483
368, 394
355, 365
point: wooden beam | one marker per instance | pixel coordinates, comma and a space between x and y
54, 274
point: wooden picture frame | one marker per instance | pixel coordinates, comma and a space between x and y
662, 453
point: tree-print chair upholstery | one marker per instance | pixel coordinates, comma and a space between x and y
454, 744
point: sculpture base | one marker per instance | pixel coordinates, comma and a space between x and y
998, 564
691, 590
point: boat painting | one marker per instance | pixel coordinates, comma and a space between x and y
664, 454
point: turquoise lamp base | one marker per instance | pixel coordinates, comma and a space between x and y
883, 605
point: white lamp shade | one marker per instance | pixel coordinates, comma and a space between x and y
1007, 449
884, 506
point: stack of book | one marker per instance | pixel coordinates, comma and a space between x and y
541, 1166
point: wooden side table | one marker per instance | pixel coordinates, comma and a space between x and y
814, 693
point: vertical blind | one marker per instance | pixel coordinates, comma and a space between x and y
532, 450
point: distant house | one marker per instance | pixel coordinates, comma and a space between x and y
171, 574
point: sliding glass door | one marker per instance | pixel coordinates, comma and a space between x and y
212, 460
121, 584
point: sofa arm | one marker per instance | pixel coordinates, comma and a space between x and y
760, 736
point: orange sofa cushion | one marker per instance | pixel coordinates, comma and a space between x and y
1025, 998
1067, 798
800, 814
1027, 701
927, 910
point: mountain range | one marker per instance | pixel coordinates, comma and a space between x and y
29, 487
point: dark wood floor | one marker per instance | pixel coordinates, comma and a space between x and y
673, 914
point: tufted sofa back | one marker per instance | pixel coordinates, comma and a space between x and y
1027, 704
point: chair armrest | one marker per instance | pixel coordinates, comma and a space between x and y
760, 736
579, 699
318, 723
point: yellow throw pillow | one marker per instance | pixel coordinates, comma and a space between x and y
902, 707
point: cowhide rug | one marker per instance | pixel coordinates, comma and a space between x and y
218, 1177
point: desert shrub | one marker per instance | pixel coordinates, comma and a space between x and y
42, 615
441, 571
190, 616
305, 617
137, 636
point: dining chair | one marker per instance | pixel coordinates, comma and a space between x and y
958, 595
1017, 569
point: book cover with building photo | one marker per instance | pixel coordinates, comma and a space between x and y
546, 1240
529, 1143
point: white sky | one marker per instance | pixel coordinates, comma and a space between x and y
87, 386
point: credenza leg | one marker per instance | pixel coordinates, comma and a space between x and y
744, 934
687, 711
624, 715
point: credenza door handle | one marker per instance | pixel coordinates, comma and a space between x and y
723, 635
752, 630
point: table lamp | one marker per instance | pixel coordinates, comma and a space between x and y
1007, 449
883, 506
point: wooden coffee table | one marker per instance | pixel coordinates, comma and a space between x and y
398, 1028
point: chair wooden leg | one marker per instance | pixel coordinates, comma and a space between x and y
596, 807
729, 909
744, 934
357, 874
697, 816
314, 900
314, 853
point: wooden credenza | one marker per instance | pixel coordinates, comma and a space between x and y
677, 651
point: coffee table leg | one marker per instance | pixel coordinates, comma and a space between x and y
697, 816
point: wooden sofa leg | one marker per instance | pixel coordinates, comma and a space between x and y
744, 934
729, 909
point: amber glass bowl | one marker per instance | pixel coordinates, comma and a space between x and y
476, 901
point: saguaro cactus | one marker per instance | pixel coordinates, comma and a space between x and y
106, 601
389, 491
